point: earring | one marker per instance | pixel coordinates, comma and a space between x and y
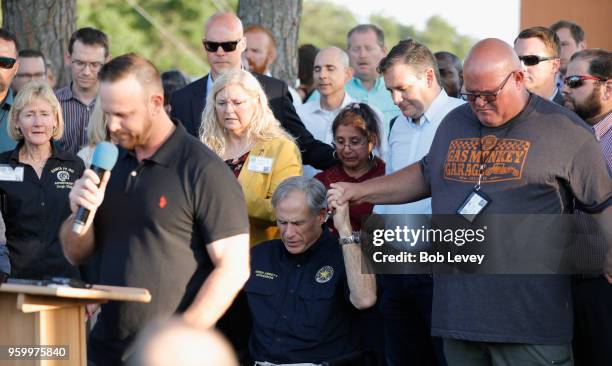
334, 155
371, 156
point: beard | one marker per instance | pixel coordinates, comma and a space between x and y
130, 140
589, 108
259, 69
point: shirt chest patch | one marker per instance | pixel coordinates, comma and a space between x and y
265, 275
503, 159
324, 274
63, 177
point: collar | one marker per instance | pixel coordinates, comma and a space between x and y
7, 103
209, 84
65, 94
166, 153
554, 94
436, 110
602, 127
379, 83
316, 107
56, 153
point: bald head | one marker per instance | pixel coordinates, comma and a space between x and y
331, 73
224, 30
492, 71
491, 54
225, 20
334, 53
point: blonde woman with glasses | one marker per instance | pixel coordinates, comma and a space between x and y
240, 127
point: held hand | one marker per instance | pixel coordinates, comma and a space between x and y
342, 220
87, 194
343, 192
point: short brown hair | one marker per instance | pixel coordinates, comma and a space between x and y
547, 36
91, 37
575, 30
411, 53
361, 117
363, 28
132, 64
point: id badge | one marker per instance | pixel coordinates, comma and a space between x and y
473, 205
260, 164
8, 174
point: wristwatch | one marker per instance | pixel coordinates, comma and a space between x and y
354, 238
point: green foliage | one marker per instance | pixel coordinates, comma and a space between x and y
129, 31
323, 24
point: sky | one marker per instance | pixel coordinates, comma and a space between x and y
477, 18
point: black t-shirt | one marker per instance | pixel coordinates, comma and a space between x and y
34, 210
541, 161
152, 229
300, 303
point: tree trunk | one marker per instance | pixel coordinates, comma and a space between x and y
44, 25
282, 17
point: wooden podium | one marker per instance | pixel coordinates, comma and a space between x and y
52, 316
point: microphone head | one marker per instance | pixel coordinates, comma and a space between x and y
105, 155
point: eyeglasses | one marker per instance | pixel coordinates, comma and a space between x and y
214, 46
37, 75
576, 81
93, 66
237, 104
489, 97
339, 145
532, 60
7, 62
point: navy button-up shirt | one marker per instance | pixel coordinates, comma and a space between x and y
300, 303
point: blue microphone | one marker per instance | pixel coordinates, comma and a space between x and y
104, 159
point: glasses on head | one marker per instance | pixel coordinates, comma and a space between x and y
489, 97
7, 62
354, 144
93, 66
214, 46
36, 75
532, 60
576, 81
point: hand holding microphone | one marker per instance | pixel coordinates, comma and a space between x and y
88, 192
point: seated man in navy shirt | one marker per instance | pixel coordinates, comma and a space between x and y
305, 288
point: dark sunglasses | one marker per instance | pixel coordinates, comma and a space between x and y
576, 81
489, 97
532, 60
214, 46
7, 62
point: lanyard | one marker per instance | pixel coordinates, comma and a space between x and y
483, 163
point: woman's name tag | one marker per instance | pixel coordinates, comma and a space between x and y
8, 174
260, 164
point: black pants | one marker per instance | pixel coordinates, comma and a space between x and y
592, 299
406, 309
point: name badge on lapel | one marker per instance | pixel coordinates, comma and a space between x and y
260, 164
8, 174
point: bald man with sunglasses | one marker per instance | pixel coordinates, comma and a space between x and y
224, 43
494, 320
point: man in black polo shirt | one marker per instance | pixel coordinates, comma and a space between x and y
304, 288
173, 219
